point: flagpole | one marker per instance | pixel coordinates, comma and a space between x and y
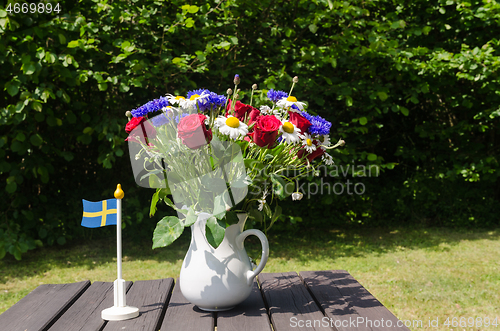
120, 310
120, 300
119, 235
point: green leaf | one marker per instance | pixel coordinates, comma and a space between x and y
61, 240
382, 95
276, 214
193, 9
62, 38
363, 121
29, 68
191, 217
279, 187
190, 23
231, 218
21, 136
119, 58
215, 231
154, 202
268, 210
313, 28
348, 101
73, 43
11, 187
36, 140
167, 231
42, 233
37, 106
12, 87
255, 215
68, 156
404, 111
371, 157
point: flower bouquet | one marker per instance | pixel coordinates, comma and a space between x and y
218, 156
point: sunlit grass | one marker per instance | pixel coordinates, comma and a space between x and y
418, 274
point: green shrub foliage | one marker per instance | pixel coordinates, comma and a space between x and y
412, 86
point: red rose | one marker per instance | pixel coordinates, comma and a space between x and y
240, 110
254, 115
133, 123
265, 130
311, 156
299, 121
141, 128
193, 132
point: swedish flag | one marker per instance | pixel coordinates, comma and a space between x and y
101, 213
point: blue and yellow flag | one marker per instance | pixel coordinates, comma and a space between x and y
101, 213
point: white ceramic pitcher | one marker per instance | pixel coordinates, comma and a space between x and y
218, 279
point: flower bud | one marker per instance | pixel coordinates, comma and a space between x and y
254, 86
128, 113
295, 79
342, 142
229, 91
236, 79
297, 196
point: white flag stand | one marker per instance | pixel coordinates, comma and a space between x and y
120, 311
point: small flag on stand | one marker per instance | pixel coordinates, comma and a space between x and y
101, 213
109, 212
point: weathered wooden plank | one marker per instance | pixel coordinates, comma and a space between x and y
85, 313
151, 297
290, 305
348, 303
40, 308
182, 315
249, 315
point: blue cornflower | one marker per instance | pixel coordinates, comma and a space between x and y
275, 96
149, 107
199, 99
205, 100
216, 100
197, 93
161, 119
319, 125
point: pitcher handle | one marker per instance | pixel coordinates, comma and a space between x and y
265, 251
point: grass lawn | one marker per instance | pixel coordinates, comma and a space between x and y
418, 274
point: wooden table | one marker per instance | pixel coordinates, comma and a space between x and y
310, 300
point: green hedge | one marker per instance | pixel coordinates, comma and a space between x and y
411, 86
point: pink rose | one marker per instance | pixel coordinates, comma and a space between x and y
193, 132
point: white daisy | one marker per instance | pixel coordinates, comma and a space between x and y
192, 102
175, 100
289, 102
325, 143
309, 146
262, 201
327, 158
290, 133
231, 126
266, 110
